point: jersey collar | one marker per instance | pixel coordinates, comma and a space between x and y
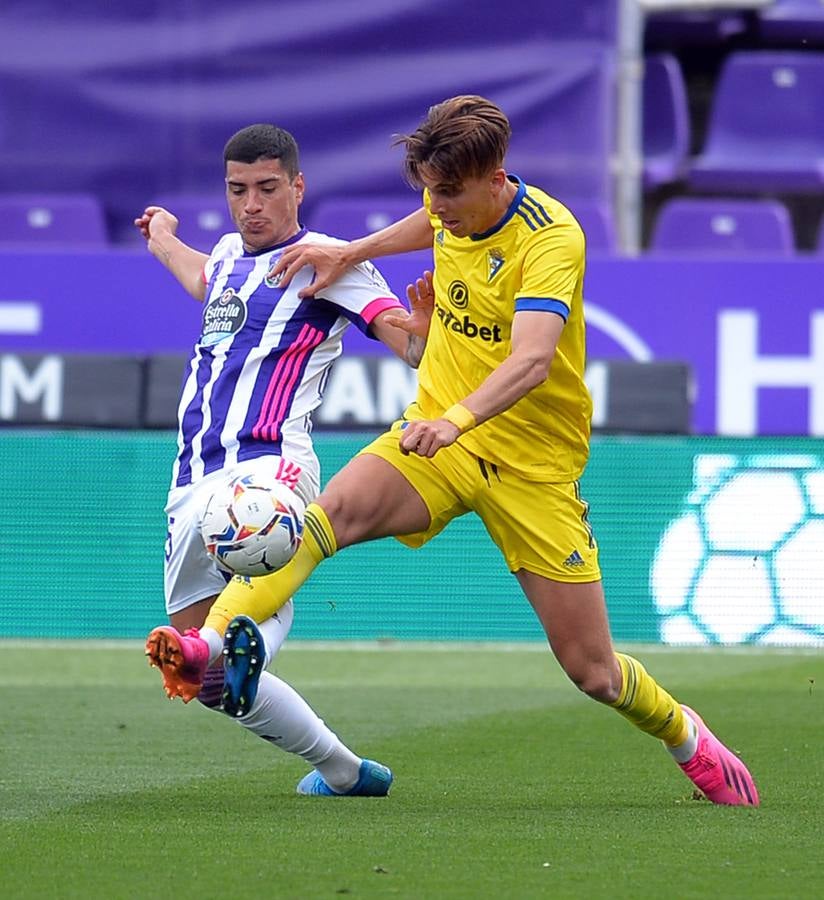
291, 240
519, 195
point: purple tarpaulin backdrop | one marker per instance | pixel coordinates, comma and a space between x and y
129, 101
753, 332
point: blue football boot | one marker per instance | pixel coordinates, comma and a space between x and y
244, 658
374, 780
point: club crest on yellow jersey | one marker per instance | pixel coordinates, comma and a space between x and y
495, 260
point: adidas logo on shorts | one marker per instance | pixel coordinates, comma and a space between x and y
574, 559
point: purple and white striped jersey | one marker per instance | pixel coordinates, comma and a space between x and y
261, 362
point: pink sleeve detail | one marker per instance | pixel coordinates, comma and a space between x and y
379, 305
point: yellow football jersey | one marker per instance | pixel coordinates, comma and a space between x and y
533, 259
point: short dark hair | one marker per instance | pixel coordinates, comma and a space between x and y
263, 142
463, 137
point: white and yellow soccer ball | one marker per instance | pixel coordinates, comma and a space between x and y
252, 525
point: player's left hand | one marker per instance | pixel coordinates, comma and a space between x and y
155, 220
421, 296
427, 436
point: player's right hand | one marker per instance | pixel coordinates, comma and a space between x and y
329, 263
426, 436
154, 220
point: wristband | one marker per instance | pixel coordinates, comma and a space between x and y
460, 417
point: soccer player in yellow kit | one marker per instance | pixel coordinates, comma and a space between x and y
500, 427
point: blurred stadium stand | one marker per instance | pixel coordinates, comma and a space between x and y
766, 130
353, 217
701, 27
69, 220
723, 226
799, 21
138, 100
666, 123
596, 219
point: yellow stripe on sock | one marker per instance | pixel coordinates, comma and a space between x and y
316, 526
647, 705
630, 682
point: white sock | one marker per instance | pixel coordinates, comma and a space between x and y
684, 752
274, 633
274, 630
281, 716
215, 642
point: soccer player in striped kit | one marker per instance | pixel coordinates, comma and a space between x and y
255, 375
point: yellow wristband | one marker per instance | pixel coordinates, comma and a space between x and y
460, 417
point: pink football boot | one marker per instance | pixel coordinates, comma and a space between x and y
717, 771
181, 658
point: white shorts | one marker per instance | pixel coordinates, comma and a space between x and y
190, 574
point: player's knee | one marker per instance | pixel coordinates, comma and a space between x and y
596, 680
349, 515
212, 691
338, 513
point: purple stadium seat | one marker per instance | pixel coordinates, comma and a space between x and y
597, 221
792, 21
666, 125
203, 218
766, 128
71, 220
353, 217
710, 226
693, 27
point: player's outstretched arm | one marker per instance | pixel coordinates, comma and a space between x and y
330, 262
158, 226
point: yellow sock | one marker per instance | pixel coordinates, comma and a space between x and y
260, 598
648, 706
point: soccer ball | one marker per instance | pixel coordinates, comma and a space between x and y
252, 525
742, 563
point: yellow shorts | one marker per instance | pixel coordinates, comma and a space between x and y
540, 527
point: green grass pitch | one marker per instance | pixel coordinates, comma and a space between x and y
508, 783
